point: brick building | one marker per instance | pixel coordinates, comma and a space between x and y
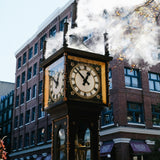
128, 126
6, 112
31, 131
131, 125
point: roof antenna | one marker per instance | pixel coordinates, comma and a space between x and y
106, 44
65, 30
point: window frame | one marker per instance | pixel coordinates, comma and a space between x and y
134, 111
157, 80
109, 112
156, 115
136, 75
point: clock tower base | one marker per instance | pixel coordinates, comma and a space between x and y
75, 134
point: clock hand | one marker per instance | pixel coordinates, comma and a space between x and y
85, 79
79, 73
57, 83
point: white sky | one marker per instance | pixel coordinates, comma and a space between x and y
19, 20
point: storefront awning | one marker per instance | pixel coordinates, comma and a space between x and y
106, 149
140, 147
48, 157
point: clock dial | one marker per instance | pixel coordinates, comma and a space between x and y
56, 85
84, 81
56, 80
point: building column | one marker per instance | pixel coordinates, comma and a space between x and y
122, 151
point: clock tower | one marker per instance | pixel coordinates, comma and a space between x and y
75, 91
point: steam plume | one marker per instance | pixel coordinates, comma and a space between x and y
131, 26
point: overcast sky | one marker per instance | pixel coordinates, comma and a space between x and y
19, 20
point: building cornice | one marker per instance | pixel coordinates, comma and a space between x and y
130, 130
37, 148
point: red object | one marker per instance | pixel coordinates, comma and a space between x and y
3, 153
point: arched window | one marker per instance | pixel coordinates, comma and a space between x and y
82, 145
62, 142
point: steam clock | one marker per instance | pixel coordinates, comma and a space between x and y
75, 91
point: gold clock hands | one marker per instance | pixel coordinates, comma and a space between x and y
85, 79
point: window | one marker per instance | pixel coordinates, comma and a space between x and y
22, 97
9, 128
33, 114
62, 24
30, 53
32, 137
35, 48
154, 82
132, 78
34, 91
28, 94
0, 118
11, 100
18, 81
14, 143
20, 142
34, 69
40, 87
23, 77
156, 114
1, 106
17, 101
24, 58
26, 142
10, 114
49, 132
40, 112
19, 62
52, 32
135, 113
110, 79
42, 41
6, 103
27, 116
16, 122
41, 135
4, 116
40, 68
21, 119
29, 73
107, 116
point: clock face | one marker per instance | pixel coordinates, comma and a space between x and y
84, 80
56, 80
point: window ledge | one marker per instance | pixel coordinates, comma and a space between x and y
156, 126
133, 88
154, 91
33, 98
27, 124
41, 117
33, 121
40, 94
108, 125
48, 141
136, 124
40, 143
